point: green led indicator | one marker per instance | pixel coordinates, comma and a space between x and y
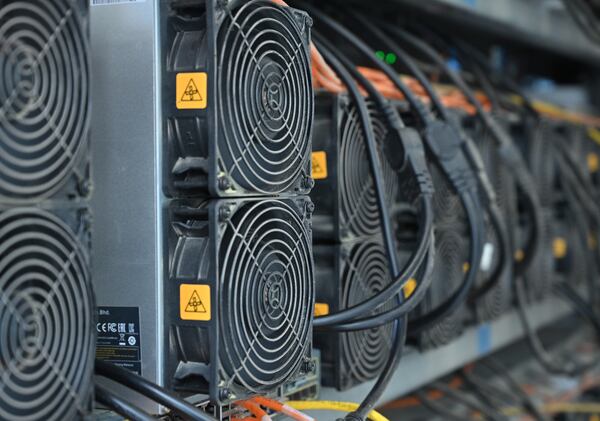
391, 58
380, 55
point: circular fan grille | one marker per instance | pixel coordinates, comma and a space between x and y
46, 314
265, 97
366, 273
44, 98
448, 272
267, 295
359, 210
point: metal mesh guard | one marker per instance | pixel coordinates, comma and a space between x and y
265, 97
46, 314
267, 294
44, 92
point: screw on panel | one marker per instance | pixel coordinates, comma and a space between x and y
224, 213
344, 232
85, 188
308, 182
224, 183
226, 394
308, 366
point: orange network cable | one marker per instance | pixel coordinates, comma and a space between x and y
257, 412
323, 76
282, 408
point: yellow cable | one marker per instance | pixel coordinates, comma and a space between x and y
573, 407
594, 134
333, 406
559, 407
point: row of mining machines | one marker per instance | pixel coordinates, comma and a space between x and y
267, 199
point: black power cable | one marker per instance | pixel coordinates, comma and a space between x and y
368, 404
437, 407
526, 401
331, 54
151, 391
400, 325
577, 190
421, 323
507, 150
469, 402
120, 406
550, 363
421, 189
450, 157
489, 197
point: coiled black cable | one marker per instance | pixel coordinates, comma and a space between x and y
425, 229
460, 296
151, 391
508, 152
448, 306
400, 325
470, 150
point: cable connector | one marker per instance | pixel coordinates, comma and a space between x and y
415, 177
446, 145
488, 193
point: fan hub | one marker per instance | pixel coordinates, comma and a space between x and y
271, 98
274, 291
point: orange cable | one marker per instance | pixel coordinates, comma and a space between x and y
280, 407
255, 409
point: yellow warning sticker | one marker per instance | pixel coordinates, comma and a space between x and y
519, 255
191, 91
194, 302
593, 162
409, 287
319, 165
592, 241
321, 309
560, 248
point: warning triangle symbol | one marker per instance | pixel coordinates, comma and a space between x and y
191, 92
316, 166
195, 304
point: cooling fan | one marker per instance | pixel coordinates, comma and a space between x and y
46, 316
360, 271
245, 322
451, 254
346, 202
541, 275
44, 99
238, 99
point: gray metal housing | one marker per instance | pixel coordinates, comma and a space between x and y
128, 201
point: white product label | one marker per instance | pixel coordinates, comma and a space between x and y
113, 2
487, 257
